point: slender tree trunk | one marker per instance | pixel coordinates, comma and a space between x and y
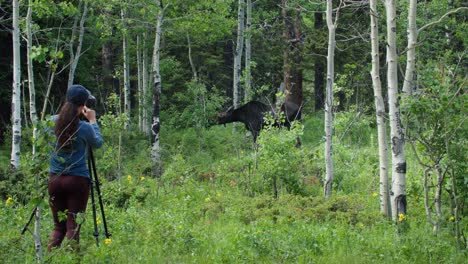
16, 97
140, 83
192, 65
319, 68
456, 210
31, 84
409, 83
126, 69
155, 127
329, 102
380, 111
33, 116
427, 205
237, 93
75, 56
145, 85
438, 199
49, 88
398, 194
248, 52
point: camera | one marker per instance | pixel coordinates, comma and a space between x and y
91, 102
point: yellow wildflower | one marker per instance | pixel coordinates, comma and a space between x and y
401, 217
452, 218
375, 194
207, 199
361, 225
9, 201
129, 177
98, 221
107, 241
142, 178
218, 194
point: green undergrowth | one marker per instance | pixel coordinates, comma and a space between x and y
215, 203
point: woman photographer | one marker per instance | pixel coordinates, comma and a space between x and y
69, 182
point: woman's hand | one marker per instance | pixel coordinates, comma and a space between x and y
90, 114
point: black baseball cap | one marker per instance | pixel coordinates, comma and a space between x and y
78, 95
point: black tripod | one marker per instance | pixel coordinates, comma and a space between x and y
96, 183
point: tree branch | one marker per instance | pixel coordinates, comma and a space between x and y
442, 17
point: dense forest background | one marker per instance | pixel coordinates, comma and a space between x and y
216, 197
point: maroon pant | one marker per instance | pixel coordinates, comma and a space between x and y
68, 197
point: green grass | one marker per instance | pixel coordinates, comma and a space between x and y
204, 209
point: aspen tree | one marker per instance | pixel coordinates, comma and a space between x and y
126, 67
75, 55
238, 55
380, 111
398, 193
155, 127
332, 25
248, 51
34, 119
16, 97
139, 83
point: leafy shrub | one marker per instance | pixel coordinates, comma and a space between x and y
279, 159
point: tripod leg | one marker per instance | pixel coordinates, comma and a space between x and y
99, 194
96, 231
29, 221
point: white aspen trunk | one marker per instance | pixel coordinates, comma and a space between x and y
155, 127
126, 69
140, 84
194, 70
409, 81
329, 102
33, 116
380, 112
31, 84
238, 55
248, 52
438, 199
75, 56
37, 233
16, 97
145, 85
49, 88
398, 193
427, 205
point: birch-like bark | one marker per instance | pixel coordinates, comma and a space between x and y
438, 199
238, 55
155, 127
75, 56
146, 120
31, 84
248, 52
16, 91
380, 111
140, 83
126, 70
192, 65
329, 101
49, 88
409, 82
398, 193
33, 116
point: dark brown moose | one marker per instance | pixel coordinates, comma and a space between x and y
252, 115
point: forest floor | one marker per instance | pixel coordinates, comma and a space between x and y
215, 204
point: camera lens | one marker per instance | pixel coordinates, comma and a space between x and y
91, 102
